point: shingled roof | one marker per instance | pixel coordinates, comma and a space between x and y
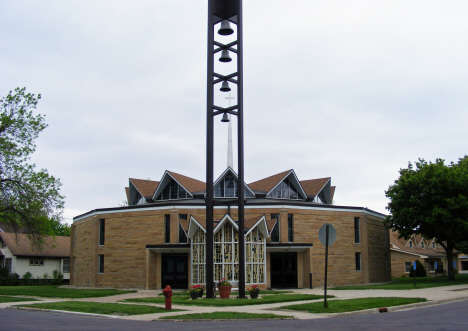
400, 245
191, 184
266, 184
145, 187
20, 245
313, 187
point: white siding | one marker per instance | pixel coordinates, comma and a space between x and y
50, 264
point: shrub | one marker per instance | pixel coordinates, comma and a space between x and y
7, 278
58, 278
28, 278
420, 270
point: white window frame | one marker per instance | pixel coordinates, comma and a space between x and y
410, 265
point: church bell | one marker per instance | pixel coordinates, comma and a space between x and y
225, 29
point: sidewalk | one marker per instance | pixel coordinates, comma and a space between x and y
436, 295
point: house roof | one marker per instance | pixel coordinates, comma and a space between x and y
20, 245
191, 184
145, 187
400, 245
314, 186
266, 184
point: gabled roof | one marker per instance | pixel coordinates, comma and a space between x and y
190, 184
332, 193
314, 186
231, 171
249, 224
267, 184
145, 187
20, 245
401, 245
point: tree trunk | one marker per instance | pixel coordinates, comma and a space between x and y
450, 269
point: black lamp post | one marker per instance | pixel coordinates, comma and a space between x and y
227, 12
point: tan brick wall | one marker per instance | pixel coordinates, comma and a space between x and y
379, 263
398, 263
129, 264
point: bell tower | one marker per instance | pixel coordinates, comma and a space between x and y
223, 17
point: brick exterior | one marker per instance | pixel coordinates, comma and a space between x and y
129, 264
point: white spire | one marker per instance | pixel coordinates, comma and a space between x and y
230, 162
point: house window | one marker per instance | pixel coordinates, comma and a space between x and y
290, 228
407, 267
8, 264
431, 266
101, 263
275, 233
167, 228
102, 231
36, 261
357, 234
410, 244
66, 265
358, 261
422, 244
433, 244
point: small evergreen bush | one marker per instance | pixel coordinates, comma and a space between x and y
28, 278
58, 278
420, 270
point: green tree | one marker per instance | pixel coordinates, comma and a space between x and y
431, 199
29, 199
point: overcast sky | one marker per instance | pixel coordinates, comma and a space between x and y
351, 90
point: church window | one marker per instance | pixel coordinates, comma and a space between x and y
275, 230
102, 231
284, 190
358, 261
410, 244
357, 235
167, 229
227, 188
198, 257
290, 228
173, 191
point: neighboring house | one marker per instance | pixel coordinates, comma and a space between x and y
159, 239
427, 251
463, 264
19, 257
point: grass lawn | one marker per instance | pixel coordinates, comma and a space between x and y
408, 283
4, 299
340, 306
52, 291
218, 315
231, 302
100, 308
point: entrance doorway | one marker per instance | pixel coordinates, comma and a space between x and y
174, 271
283, 268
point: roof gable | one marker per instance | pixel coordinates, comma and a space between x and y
190, 184
268, 183
319, 187
222, 191
181, 191
288, 187
140, 188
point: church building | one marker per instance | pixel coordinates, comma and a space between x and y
159, 239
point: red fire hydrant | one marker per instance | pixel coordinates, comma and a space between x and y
168, 297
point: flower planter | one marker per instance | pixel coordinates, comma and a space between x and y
224, 291
194, 295
253, 295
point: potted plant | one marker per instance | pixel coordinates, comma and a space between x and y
196, 292
224, 288
254, 292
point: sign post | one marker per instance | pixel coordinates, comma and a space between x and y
327, 236
435, 269
414, 273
